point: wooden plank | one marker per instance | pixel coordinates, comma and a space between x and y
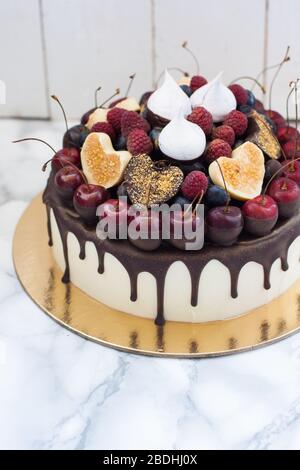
22, 66
223, 35
283, 31
94, 43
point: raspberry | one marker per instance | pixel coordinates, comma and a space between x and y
224, 133
241, 95
138, 142
291, 149
217, 148
202, 118
132, 120
284, 134
104, 127
238, 121
114, 117
276, 118
194, 184
197, 82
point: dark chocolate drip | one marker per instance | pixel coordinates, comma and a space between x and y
64, 238
48, 209
267, 269
82, 253
195, 288
264, 251
101, 253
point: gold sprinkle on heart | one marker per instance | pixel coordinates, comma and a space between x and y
261, 134
101, 163
243, 172
151, 182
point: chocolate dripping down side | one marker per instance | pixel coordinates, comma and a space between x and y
263, 251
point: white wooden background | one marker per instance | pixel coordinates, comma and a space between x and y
69, 47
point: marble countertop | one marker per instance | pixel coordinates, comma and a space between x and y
59, 391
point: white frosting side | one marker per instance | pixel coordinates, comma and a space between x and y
214, 299
216, 98
182, 140
169, 99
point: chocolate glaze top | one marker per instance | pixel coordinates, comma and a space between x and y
264, 250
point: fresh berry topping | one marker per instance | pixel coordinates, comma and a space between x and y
261, 207
217, 148
104, 127
224, 224
244, 108
238, 121
272, 167
291, 149
292, 170
276, 117
192, 166
65, 156
202, 118
114, 117
148, 226
215, 196
258, 106
197, 81
240, 93
225, 133
194, 184
251, 99
87, 198
260, 215
67, 180
286, 133
187, 90
86, 116
132, 120
286, 193
120, 143
139, 142
74, 136
182, 201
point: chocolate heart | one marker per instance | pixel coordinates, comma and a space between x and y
151, 182
261, 134
243, 172
101, 163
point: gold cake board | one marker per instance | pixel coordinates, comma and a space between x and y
71, 308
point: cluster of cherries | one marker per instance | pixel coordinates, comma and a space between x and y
224, 221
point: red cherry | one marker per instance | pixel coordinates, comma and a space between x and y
224, 224
260, 215
87, 198
276, 117
292, 171
186, 228
64, 156
66, 181
284, 134
146, 226
115, 213
286, 193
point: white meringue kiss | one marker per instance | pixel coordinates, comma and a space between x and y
169, 99
182, 140
216, 98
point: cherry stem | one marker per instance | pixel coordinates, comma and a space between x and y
265, 69
184, 45
96, 96
286, 58
112, 96
131, 78
276, 173
170, 68
62, 108
38, 140
287, 106
77, 169
294, 85
201, 194
192, 203
246, 77
225, 186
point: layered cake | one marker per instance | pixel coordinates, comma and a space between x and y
225, 167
